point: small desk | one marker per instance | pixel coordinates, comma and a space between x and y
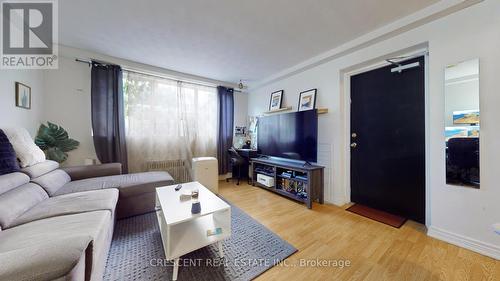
248, 154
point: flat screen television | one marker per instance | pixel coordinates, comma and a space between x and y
290, 135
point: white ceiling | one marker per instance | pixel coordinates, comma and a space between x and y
225, 40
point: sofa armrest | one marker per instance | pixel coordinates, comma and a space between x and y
93, 171
55, 260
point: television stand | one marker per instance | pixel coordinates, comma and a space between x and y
306, 164
297, 181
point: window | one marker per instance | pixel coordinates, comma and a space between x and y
168, 120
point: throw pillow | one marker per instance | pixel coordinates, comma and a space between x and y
26, 150
8, 160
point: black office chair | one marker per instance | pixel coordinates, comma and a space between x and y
463, 160
237, 161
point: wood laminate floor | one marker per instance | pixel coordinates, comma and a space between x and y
375, 251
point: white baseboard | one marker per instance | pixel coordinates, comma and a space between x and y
338, 201
465, 242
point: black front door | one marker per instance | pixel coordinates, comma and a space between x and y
388, 140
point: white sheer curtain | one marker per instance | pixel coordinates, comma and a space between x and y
167, 120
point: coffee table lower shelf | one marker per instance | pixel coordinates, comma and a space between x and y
184, 237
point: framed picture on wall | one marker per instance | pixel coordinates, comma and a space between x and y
276, 99
307, 100
23, 96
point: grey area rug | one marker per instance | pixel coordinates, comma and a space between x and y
137, 252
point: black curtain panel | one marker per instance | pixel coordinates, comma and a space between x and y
108, 116
225, 134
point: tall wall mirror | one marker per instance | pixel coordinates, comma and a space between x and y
462, 126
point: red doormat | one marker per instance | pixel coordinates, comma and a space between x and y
377, 215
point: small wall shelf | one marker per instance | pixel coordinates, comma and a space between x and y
278, 110
322, 110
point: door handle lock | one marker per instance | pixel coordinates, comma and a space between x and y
354, 145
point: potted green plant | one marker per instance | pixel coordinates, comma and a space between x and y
55, 142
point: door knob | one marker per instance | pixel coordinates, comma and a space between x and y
353, 145
353, 135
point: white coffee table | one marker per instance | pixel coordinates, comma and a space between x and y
183, 232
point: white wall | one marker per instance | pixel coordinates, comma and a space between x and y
240, 109
68, 98
459, 215
240, 115
67, 104
12, 116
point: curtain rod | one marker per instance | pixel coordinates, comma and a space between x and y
89, 62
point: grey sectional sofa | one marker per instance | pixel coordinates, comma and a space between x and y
57, 224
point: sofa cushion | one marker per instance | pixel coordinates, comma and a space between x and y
15, 202
93, 171
69, 204
52, 229
40, 169
26, 150
10, 181
65, 262
8, 159
98, 225
52, 181
129, 184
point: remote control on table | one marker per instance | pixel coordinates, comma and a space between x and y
177, 188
